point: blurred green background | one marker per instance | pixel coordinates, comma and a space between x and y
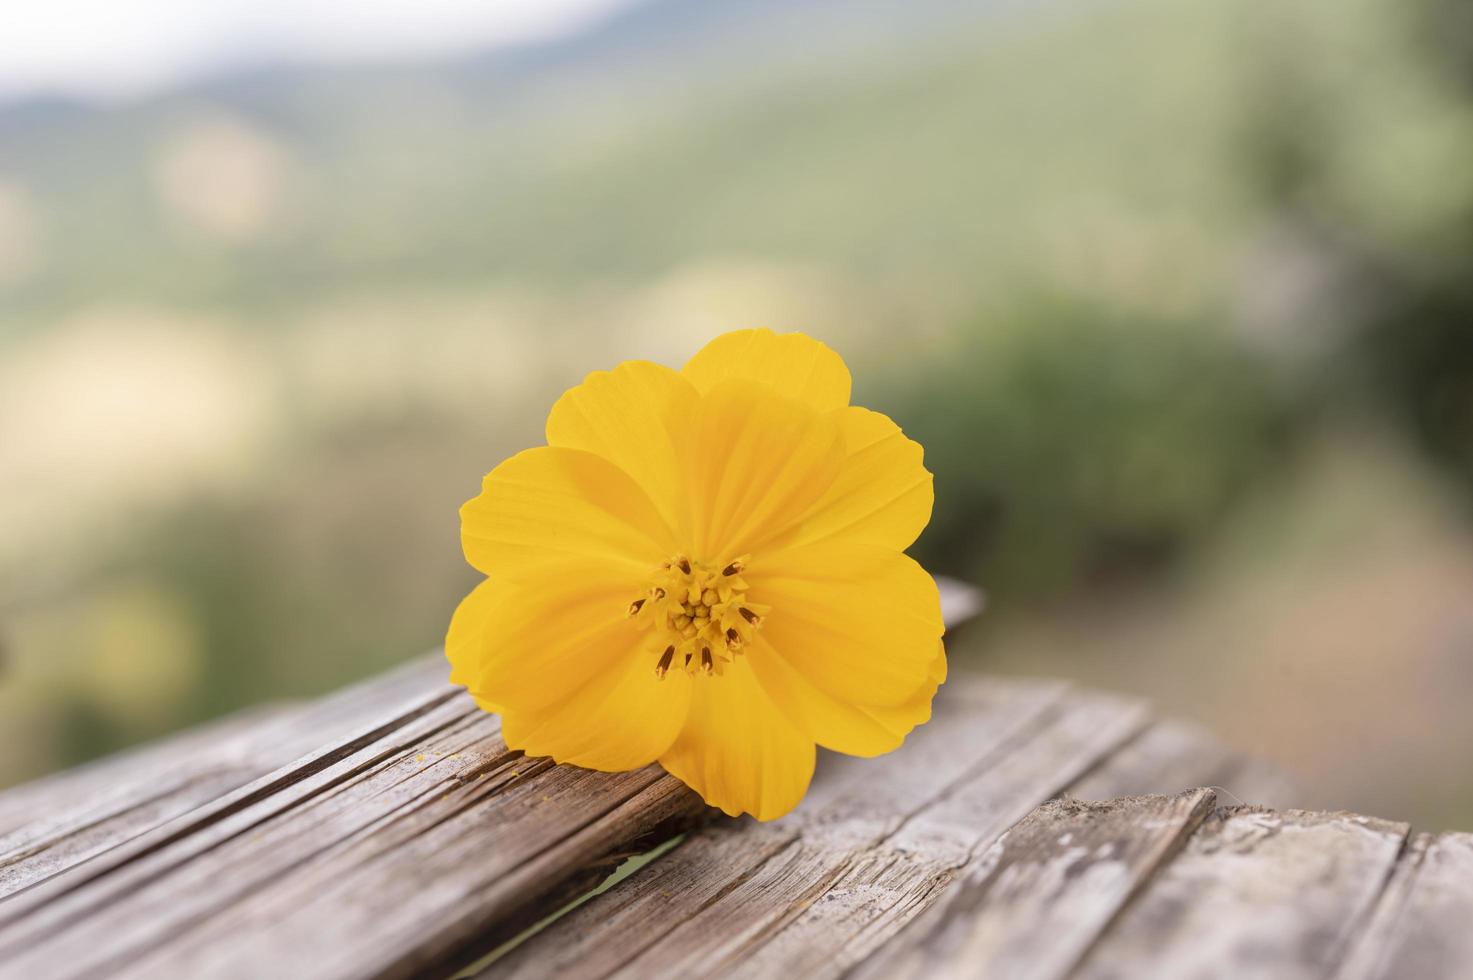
1177, 294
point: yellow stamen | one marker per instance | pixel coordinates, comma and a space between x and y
699, 613
664, 664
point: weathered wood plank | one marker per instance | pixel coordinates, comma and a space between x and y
1257, 782
408, 839
61, 821
1423, 925
86, 787
814, 894
1254, 893
1052, 932
248, 738
960, 603
1173, 756
423, 842
863, 798
1043, 892
234, 750
58, 822
1167, 758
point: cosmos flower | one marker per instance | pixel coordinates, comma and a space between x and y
705, 568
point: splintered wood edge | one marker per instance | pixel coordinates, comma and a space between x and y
1254, 891
875, 844
1172, 756
719, 904
306, 854
1221, 892
193, 773
1042, 894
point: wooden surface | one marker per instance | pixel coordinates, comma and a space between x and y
388, 832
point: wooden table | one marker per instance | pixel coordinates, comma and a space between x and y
388, 832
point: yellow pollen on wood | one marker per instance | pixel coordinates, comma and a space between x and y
699, 615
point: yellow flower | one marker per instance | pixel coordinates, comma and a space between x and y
705, 568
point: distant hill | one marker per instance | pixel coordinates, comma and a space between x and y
943, 144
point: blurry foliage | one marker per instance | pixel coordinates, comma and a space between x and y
1114, 156
1413, 342
293, 590
1416, 352
917, 143
1421, 347
1446, 29
1072, 446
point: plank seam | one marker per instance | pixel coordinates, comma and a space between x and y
184, 927
1032, 727
1044, 713
477, 945
953, 870
16, 856
1408, 859
1204, 807
1139, 732
289, 775
795, 909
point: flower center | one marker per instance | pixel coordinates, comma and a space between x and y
699, 613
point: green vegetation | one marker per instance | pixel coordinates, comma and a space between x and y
1115, 264
1074, 448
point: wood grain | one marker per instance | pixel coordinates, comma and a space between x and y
1256, 893
1029, 830
1423, 926
814, 894
1165, 758
56, 823
1042, 893
428, 811
654, 909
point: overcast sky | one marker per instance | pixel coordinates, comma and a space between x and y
118, 49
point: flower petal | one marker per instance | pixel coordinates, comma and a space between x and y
916, 710
793, 364
614, 722
538, 643
755, 463
629, 416
571, 676
849, 728
550, 510
465, 642
882, 494
860, 622
738, 750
